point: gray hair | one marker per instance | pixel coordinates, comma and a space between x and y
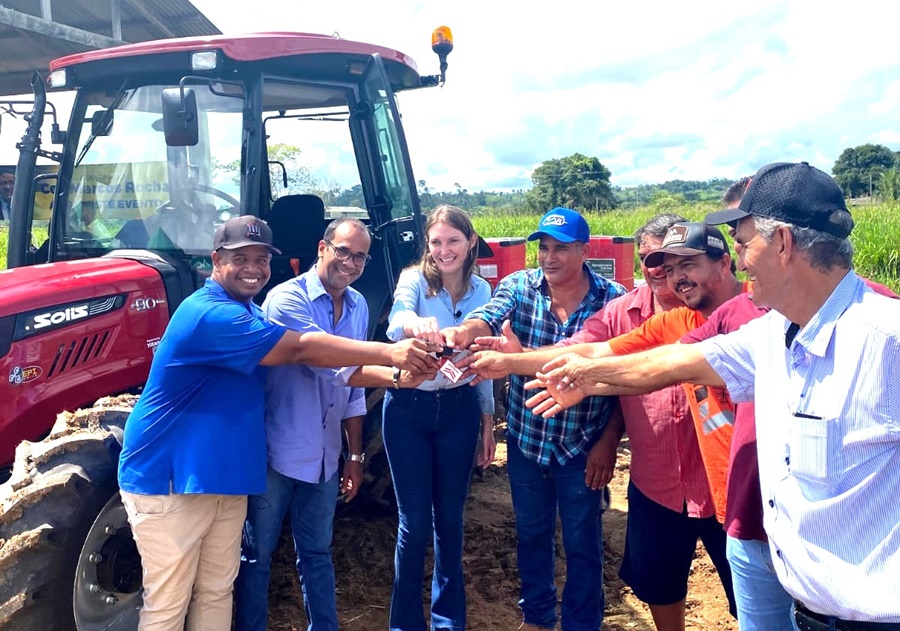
658, 226
824, 251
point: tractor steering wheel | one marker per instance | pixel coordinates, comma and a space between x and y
168, 205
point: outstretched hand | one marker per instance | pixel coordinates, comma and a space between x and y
414, 355
425, 329
551, 400
570, 371
485, 365
506, 342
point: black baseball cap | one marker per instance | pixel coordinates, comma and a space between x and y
239, 232
689, 239
795, 193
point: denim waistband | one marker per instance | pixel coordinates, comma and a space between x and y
415, 394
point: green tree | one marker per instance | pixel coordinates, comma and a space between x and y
889, 186
858, 169
577, 181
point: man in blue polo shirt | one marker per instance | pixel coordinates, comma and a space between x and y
194, 445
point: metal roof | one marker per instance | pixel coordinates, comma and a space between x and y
34, 32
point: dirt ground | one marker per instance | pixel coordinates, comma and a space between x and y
364, 547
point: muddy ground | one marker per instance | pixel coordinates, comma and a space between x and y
363, 553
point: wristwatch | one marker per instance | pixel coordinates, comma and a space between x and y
360, 458
395, 378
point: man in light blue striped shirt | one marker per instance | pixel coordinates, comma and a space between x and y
823, 368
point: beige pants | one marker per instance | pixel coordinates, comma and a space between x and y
190, 549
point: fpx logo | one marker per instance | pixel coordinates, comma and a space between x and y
554, 220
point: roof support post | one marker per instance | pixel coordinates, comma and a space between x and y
115, 16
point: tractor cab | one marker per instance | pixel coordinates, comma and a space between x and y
168, 139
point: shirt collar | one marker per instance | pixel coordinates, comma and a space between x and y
218, 291
537, 281
315, 289
469, 290
817, 334
641, 300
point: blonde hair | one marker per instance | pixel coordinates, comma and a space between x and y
455, 218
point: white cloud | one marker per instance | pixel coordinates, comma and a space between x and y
656, 90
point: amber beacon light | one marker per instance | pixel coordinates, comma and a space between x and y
442, 44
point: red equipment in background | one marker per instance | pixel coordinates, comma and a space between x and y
613, 258
509, 257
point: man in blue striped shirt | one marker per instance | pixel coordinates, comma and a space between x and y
823, 368
551, 463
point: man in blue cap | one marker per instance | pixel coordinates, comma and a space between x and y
552, 465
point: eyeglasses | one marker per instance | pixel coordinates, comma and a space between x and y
343, 254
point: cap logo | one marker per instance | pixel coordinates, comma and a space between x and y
554, 220
715, 242
253, 231
676, 234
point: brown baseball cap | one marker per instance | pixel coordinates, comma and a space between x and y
239, 232
689, 239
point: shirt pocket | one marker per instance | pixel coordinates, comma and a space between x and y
816, 450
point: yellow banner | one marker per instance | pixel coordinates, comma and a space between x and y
121, 191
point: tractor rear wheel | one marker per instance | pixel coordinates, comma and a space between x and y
63, 535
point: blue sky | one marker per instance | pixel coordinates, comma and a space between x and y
656, 90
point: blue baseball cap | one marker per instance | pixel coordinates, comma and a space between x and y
563, 224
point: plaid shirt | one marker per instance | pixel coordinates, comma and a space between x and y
522, 298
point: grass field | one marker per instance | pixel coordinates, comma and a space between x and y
875, 237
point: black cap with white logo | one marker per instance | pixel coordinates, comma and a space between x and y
689, 239
239, 232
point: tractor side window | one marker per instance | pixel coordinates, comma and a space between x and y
388, 136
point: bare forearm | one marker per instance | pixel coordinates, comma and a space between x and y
650, 370
463, 335
372, 377
531, 361
353, 430
326, 351
383, 377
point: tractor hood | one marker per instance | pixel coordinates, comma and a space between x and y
26, 289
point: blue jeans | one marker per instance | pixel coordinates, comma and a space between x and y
762, 603
430, 441
312, 518
537, 494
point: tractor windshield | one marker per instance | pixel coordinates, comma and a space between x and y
129, 190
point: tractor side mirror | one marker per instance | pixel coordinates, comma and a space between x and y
179, 110
101, 122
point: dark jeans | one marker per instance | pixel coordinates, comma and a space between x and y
537, 494
430, 440
312, 518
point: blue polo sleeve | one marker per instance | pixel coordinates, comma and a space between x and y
229, 336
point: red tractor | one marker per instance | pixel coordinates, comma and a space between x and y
166, 140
